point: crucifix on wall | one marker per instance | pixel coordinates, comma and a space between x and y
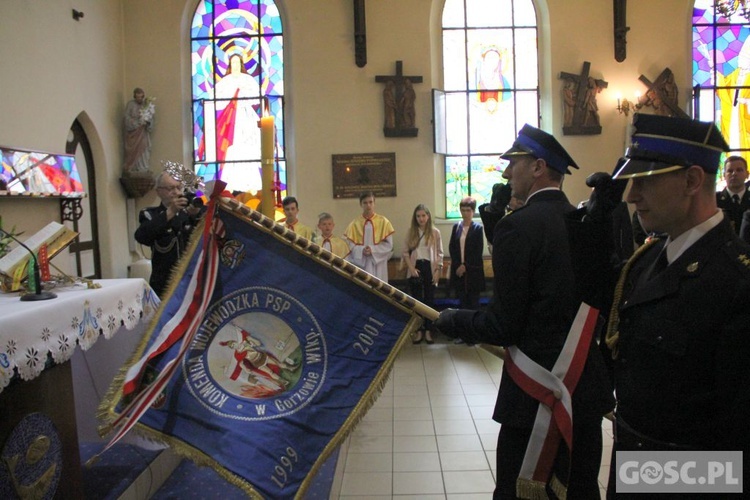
398, 103
581, 111
661, 95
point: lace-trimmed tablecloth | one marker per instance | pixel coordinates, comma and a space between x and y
29, 331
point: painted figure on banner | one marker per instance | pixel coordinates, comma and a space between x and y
253, 369
232, 133
139, 122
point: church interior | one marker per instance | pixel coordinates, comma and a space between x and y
66, 75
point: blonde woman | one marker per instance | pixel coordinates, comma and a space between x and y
423, 255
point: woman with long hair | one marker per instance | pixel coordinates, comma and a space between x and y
423, 255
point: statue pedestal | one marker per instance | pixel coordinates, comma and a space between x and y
137, 184
400, 132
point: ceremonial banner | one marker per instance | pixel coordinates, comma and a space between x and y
294, 346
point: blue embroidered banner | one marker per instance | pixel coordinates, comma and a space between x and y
290, 353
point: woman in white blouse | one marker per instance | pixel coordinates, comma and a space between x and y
423, 254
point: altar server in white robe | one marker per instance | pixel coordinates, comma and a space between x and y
370, 239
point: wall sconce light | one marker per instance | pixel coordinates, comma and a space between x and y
77, 15
624, 107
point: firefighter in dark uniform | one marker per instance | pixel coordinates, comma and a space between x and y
532, 308
735, 198
166, 229
680, 329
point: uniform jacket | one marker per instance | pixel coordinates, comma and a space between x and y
745, 227
534, 304
733, 210
473, 251
682, 373
167, 240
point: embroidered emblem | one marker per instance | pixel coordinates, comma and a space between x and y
743, 258
691, 268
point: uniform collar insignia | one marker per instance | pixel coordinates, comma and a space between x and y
743, 258
692, 267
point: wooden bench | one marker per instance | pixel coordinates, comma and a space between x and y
444, 296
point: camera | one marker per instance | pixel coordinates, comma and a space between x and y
192, 199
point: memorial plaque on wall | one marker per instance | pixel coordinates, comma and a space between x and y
355, 173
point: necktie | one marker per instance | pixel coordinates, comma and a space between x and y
660, 264
736, 199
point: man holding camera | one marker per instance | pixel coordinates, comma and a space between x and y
166, 229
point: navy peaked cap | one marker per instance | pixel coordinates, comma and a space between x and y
539, 144
662, 144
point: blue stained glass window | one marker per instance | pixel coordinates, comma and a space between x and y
721, 74
237, 61
490, 91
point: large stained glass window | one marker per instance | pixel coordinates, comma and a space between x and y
491, 85
721, 73
237, 66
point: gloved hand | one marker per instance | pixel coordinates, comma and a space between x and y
605, 197
500, 197
446, 323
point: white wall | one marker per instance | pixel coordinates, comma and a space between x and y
62, 67
55, 69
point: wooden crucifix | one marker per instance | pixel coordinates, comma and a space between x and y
621, 29
581, 115
661, 95
398, 103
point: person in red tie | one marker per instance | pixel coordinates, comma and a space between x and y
291, 222
327, 240
370, 239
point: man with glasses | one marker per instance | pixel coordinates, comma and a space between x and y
166, 229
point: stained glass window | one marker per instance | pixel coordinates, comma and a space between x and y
38, 173
491, 83
721, 73
237, 63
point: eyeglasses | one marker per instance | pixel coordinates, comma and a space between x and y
170, 188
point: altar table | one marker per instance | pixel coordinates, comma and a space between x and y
37, 341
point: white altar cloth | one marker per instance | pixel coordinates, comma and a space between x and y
29, 331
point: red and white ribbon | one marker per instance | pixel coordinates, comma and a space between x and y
182, 326
553, 389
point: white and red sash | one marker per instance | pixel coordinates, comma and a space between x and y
553, 389
181, 327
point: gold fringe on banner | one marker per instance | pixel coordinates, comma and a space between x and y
530, 489
558, 488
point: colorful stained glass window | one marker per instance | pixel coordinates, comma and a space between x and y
491, 89
37, 173
721, 73
237, 59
